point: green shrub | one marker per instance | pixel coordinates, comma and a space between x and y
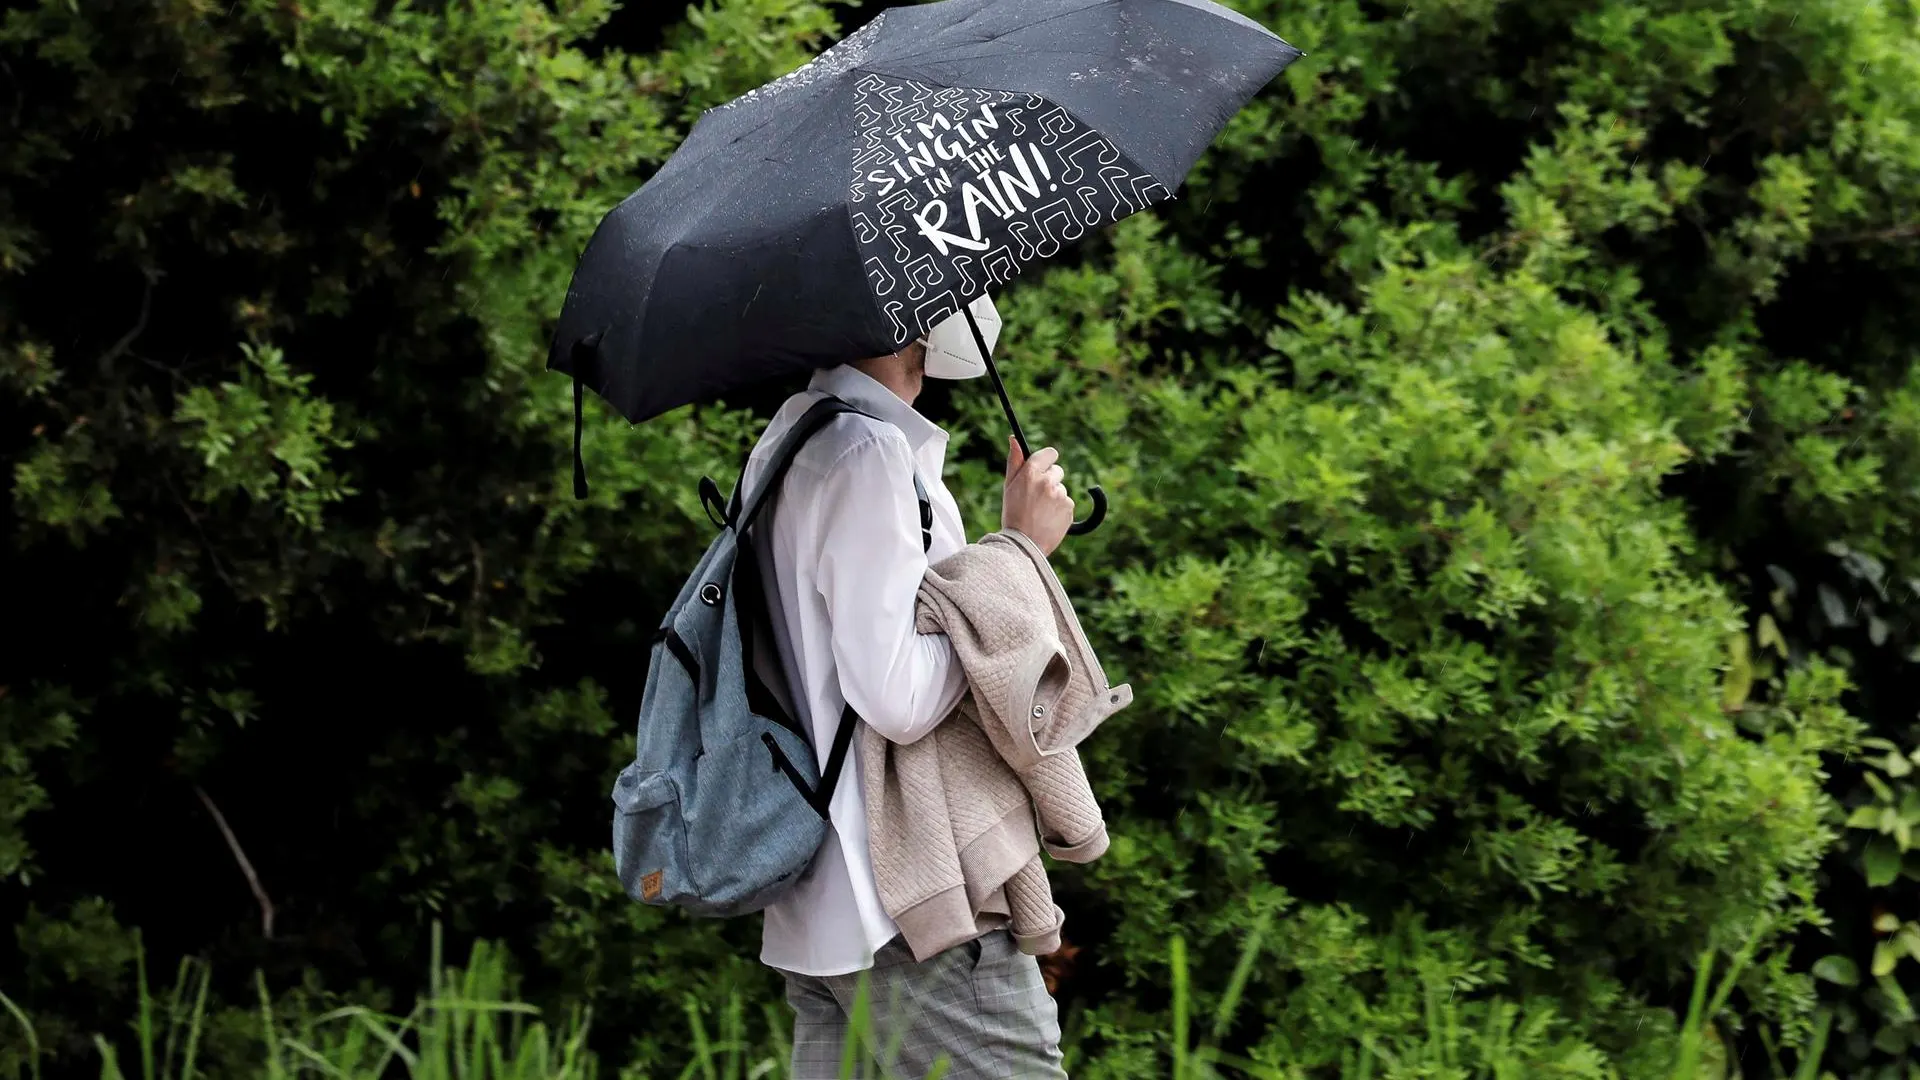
1428, 599
1448, 414
1841, 604
282, 497
1432, 641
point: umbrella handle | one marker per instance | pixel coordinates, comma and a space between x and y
1093, 520
1096, 493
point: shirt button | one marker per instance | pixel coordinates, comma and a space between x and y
1039, 711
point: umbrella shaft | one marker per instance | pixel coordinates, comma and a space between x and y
993, 372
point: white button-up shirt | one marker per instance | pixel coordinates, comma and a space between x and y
846, 565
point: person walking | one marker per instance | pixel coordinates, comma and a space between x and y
844, 561
851, 206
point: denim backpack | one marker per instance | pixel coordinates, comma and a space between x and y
697, 824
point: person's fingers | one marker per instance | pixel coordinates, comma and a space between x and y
1042, 460
1015, 459
1056, 475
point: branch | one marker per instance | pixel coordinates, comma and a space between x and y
206, 544
126, 340
479, 573
1898, 232
246, 867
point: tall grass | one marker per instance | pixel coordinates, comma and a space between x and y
468, 1027
1496, 1049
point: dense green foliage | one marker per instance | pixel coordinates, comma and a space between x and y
1489, 424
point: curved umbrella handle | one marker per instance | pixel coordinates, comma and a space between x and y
1093, 520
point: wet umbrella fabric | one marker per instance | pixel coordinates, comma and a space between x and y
842, 210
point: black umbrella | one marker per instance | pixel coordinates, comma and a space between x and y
844, 209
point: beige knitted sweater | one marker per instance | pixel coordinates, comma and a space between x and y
951, 817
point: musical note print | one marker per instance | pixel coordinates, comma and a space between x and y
971, 185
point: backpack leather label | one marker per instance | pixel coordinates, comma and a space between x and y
650, 886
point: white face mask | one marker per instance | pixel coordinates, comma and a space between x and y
951, 351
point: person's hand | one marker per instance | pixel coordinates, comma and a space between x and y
1035, 502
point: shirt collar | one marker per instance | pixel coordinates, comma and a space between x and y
869, 395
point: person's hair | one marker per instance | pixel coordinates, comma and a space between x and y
914, 353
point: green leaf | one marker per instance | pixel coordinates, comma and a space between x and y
1884, 957
1837, 969
1897, 1003
1880, 789
1891, 1039
1909, 939
1882, 861
1768, 635
1739, 678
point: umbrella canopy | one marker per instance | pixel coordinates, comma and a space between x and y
844, 209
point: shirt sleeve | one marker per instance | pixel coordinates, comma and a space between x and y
900, 681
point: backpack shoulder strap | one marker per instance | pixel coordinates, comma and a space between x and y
926, 512
843, 735
818, 416
810, 422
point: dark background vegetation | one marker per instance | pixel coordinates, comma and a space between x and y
289, 534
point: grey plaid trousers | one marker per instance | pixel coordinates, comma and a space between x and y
981, 1005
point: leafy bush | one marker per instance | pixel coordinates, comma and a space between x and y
1881, 1030
1431, 641
1406, 654
1840, 603
282, 507
1452, 415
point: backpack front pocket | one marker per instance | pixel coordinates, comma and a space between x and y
649, 837
752, 829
